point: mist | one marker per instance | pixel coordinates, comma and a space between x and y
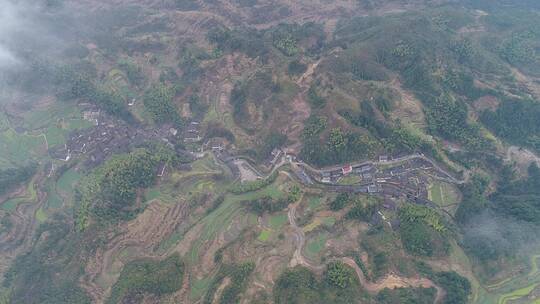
11, 19
34, 29
34, 36
490, 236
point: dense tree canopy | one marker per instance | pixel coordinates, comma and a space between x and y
110, 191
516, 121
12, 177
158, 101
147, 276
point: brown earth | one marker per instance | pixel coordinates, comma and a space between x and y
142, 235
392, 281
487, 102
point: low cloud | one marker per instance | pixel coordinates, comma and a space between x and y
494, 235
10, 21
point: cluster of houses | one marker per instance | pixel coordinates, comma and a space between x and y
192, 133
274, 158
364, 171
109, 136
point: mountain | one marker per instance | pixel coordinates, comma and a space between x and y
269, 151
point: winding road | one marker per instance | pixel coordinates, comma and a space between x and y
391, 281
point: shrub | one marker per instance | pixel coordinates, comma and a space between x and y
158, 101
239, 188
340, 275
148, 276
11, 177
296, 68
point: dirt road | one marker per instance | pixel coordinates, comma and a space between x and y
299, 239
522, 157
392, 281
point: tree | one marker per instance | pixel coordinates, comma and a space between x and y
295, 286
315, 99
12, 177
336, 140
457, 287
109, 192
158, 100
338, 274
296, 67
340, 201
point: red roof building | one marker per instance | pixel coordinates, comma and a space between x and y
346, 170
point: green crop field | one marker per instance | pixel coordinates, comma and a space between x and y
329, 221
55, 135
517, 294
11, 204
4, 121
42, 118
53, 199
315, 245
41, 215
20, 148
199, 287
215, 222
314, 202
67, 181
153, 193
30, 196
350, 180
264, 235
278, 220
443, 194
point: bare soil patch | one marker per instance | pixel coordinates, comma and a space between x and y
486, 103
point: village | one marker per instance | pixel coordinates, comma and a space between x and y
405, 176
110, 136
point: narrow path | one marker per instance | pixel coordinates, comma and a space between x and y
521, 155
391, 281
301, 109
300, 239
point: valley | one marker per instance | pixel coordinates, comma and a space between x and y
269, 152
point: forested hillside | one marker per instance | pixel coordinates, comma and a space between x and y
270, 151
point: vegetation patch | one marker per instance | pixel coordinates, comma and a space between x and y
11, 177
264, 236
58, 281
158, 102
300, 286
147, 277
109, 192
278, 220
315, 245
239, 188
423, 231
238, 274
406, 295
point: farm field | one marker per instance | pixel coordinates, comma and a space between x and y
443, 194
316, 245
198, 152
